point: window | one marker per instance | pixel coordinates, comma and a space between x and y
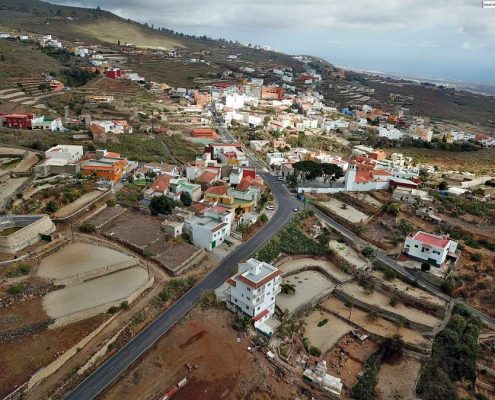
235, 300
416, 245
248, 289
248, 298
273, 298
258, 308
247, 307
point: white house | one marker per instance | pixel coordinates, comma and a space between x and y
390, 133
430, 248
211, 229
275, 158
234, 101
66, 152
253, 291
45, 123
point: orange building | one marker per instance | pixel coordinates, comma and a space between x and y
205, 133
105, 165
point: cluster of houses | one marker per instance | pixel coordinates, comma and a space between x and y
31, 121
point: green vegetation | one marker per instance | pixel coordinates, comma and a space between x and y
368, 252
315, 351
453, 359
292, 240
405, 226
208, 299
264, 218
425, 267
161, 205
87, 228
129, 195
23, 269
322, 322
363, 389
393, 208
312, 170
16, 289
186, 199
287, 288
111, 203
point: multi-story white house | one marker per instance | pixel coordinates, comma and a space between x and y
275, 158
253, 291
65, 152
430, 248
211, 229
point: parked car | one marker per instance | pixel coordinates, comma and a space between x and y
269, 207
296, 209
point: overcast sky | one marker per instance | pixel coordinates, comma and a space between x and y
448, 39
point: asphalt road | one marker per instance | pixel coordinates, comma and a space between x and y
109, 371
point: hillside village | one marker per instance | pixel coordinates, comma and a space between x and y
320, 239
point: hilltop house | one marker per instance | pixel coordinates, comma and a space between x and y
210, 229
253, 291
430, 248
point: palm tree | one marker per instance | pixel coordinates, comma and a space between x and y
287, 288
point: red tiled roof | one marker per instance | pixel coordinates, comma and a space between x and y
198, 208
219, 190
380, 172
248, 181
219, 209
432, 240
161, 183
260, 315
206, 177
231, 282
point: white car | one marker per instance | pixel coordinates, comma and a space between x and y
271, 208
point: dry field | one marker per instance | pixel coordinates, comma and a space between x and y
398, 381
221, 367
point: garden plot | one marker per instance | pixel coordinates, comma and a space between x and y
379, 327
96, 295
345, 211
308, 285
328, 334
382, 301
348, 254
417, 293
365, 198
291, 266
81, 202
79, 259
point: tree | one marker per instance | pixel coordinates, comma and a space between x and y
287, 288
425, 267
367, 251
161, 205
263, 218
393, 348
394, 209
443, 185
51, 206
186, 199
405, 226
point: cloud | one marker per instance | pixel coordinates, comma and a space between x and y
295, 15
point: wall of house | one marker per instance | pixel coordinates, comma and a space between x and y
426, 255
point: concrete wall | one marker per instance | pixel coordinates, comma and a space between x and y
34, 226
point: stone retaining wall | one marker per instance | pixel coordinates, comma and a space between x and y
14, 334
32, 227
391, 316
187, 265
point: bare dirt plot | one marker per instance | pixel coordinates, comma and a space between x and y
380, 327
106, 215
225, 369
95, 292
172, 254
326, 336
22, 313
397, 381
409, 290
348, 254
21, 358
346, 367
382, 301
137, 229
345, 211
366, 198
308, 284
79, 258
82, 201
27, 162
8, 188
288, 267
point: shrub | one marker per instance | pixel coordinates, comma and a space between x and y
363, 389
425, 267
111, 202
448, 286
124, 305
87, 228
208, 299
405, 226
138, 317
367, 251
113, 310
51, 206
315, 351
16, 289
322, 322
164, 295
394, 300
394, 209
263, 218
20, 270
476, 257
359, 229
186, 199
389, 274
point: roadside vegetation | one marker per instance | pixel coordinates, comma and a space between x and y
292, 240
453, 359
